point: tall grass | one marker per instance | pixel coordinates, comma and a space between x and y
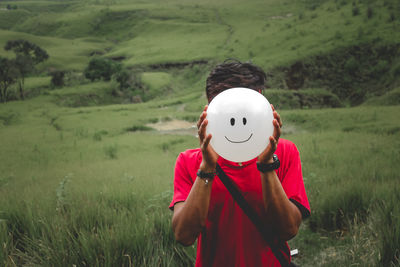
351, 175
109, 230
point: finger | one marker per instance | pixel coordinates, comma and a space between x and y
278, 118
273, 108
207, 141
202, 130
203, 115
277, 129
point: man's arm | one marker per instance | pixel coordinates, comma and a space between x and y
190, 216
283, 215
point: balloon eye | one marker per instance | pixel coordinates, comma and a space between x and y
244, 121
232, 121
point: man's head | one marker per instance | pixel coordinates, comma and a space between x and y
234, 74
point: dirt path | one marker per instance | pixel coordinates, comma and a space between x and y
175, 127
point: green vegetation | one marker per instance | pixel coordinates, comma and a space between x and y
101, 68
27, 56
114, 202
78, 182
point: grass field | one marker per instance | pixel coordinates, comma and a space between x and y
91, 193
78, 182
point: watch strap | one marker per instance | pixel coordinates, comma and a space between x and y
205, 175
263, 167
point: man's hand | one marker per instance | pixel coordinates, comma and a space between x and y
283, 215
190, 216
210, 157
266, 155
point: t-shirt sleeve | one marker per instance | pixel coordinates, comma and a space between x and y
293, 183
182, 181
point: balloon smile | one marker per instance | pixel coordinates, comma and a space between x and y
238, 142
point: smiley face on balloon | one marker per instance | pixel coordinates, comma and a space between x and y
240, 121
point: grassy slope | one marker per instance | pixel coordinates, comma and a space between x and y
270, 34
66, 54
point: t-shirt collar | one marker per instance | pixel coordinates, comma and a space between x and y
235, 165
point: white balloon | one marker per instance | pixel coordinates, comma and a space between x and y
240, 121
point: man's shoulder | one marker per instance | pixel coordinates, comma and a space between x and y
286, 143
286, 146
191, 154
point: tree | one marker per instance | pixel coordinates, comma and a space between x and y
123, 78
28, 55
101, 68
57, 78
8, 76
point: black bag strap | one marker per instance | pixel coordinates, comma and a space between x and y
277, 249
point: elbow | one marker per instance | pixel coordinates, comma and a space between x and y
289, 233
184, 240
184, 236
292, 226
292, 232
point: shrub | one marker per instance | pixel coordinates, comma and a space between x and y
318, 98
138, 127
283, 99
111, 151
9, 118
97, 136
11, 7
122, 77
338, 35
351, 65
370, 12
355, 11
57, 78
392, 17
389, 99
309, 98
101, 68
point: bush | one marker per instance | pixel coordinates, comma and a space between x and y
351, 65
138, 127
101, 68
11, 7
355, 11
57, 78
122, 77
370, 12
309, 98
111, 151
392, 17
391, 98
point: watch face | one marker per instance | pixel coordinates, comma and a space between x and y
240, 121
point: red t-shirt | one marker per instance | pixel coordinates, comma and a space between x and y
230, 238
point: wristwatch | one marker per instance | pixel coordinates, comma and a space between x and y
267, 167
206, 176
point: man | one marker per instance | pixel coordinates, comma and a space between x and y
205, 210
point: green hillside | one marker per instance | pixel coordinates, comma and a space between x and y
78, 182
270, 33
274, 34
